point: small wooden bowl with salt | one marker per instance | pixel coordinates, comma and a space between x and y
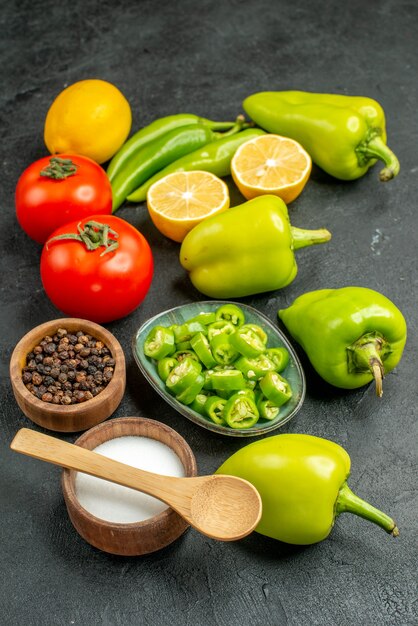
116, 519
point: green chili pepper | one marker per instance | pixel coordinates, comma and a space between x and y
351, 335
279, 356
214, 407
302, 481
267, 409
183, 375
247, 341
230, 313
201, 346
156, 155
240, 411
246, 250
256, 368
344, 135
275, 388
189, 393
155, 130
215, 157
222, 349
165, 365
227, 380
159, 343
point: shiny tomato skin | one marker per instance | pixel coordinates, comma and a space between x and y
43, 203
81, 283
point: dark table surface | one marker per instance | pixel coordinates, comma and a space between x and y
206, 57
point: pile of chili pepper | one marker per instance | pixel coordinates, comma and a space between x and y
222, 367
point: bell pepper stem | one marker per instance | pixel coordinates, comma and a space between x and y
348, 502
376, 148
303, 238
366, 354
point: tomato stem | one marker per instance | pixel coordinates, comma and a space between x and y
93, 235
59, 169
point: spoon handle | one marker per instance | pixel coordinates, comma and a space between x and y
53, 450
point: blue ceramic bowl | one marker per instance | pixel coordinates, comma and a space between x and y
293, 372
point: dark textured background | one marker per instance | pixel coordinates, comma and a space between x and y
206, 57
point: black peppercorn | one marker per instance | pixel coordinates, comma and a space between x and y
68, 368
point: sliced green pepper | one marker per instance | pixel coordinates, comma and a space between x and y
180, 355
222, 349
201, 346
275, 388
214, 407
164, 367
260, 332
227, 380
240, 411
159, 343
279, 356
204, 317
222, 326
230, 313
189, 394
183, 375
199, 402
254, 369
247, 341
267, 409
184, 332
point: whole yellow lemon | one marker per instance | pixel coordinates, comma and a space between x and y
91, 117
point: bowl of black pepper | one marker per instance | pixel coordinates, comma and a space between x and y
68, 374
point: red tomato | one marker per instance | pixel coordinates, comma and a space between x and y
43, 203
92, 285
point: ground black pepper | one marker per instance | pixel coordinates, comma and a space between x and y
68, 368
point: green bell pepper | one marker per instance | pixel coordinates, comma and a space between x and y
344, 135
351, 335
246, 250
302, 481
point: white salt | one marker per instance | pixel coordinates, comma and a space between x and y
123, 505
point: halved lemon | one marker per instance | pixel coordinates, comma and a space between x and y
271, 164
181, 200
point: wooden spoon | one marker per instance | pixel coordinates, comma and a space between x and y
219, 506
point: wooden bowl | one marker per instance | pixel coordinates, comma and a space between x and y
137, 538
73, 417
